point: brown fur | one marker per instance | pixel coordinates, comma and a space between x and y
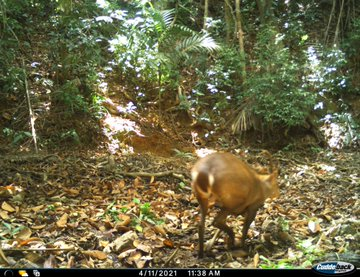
223, 179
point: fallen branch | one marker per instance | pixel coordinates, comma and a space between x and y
156, 174
40, 249
171, 257
146, 174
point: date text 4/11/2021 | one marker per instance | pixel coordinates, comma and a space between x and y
179, 273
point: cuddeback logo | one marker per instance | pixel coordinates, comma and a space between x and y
334, 268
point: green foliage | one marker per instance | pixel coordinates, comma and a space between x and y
69, 95
16, 136
218, 80
136, 49
306, 251
145, 214
351, 45
281, 264
344, 130
13, 79
97, 109
50, 208
182, 185
11, 75
17, 25
9, 231
152, 49
284, 225
183, 155
71, 136
75, 48
112, 212
59, 43
310, 252
276, 90
158, 47
352, 42
326, 71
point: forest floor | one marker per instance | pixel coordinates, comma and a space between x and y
129, 204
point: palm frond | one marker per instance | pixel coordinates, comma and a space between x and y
163, 20
168, 17
197, 43
184, 30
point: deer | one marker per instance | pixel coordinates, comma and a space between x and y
224, 180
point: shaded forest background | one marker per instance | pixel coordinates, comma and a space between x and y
103, 105
280, 69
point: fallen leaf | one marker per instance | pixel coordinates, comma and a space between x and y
24, 234
137, 182
35, 258
140, 263
125, 220
27, 241
7, 207
256, 260
5, 193
160, 229
134, 256
143, 247
3, 257
139, 228
4, 215
95, 254
37, 208
126, 253
103, 243
6, 115
327, 217
184, 226
285, 237
314, 225
168, 243
38, 227
72, 192
71, 262
121, 184
124, 242
239, 253
61, 223
50, 262
63, 244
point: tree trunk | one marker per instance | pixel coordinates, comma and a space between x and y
264, 7
330, 19
229, 21
337, 30
240, 35
206, 13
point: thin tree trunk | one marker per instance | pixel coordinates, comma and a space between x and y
228, 21
261, 10
337, 30
264, 7
31, 113
240, 35
206, 13
330, 19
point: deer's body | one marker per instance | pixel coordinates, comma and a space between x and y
223, 179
